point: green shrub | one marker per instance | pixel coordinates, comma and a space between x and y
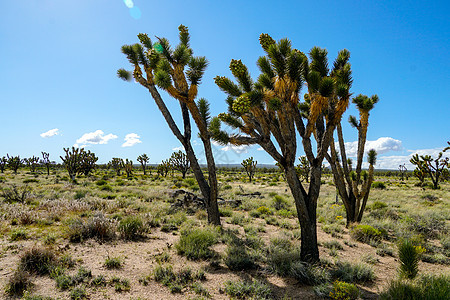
225, 212
131, 227
344, 291
101, 182
106, 188
99, 227
195, 244
63, 281
30, 180
18, 235
238, 259
333, 245
18, 283
78, 293
281, 255
352, 272
425, 288
378, 185
279, 202
113, 262
378, 205
409, 259
309, 274
264, 210
365, 233
99, 280
248, 290
79, 195
37, 260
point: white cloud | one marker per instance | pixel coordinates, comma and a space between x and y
381, 145
131, 139
229, 147
94, 138
181, 148
50, 133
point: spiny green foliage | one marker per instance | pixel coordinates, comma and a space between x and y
303, 168
78, 161
409, 259
143, 159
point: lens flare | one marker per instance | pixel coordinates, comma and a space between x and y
135, 12
129, 3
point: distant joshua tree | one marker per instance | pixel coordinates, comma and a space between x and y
14, 162
46, 161
434, 167
164, 168
116, 164
32, 163
3, 162
143, 159
354, 185
402, 169
78, 161
180, 162
250, 167
303, 169
128, 167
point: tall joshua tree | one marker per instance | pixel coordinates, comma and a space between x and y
14, 162
117, 164
179, 73
180, 162
3, 162
354, 185
269, 113
434, 167
143, 159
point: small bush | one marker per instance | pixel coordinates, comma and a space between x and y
37, 260
131, 228
309, 274
101, 182
238, 259
99, 280
344, 291
379, 185
264, 210
279, 202
79, 195
99, 227
16, 193
352, 272
409, 259
78, 293
195, 244
365, 233
18, 283
427, 287
225, 212
333, 245
378, 205
31, 180
18, 235
248, 290
113, 263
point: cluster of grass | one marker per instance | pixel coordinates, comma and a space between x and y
98, 227
196, 244
248, 290
424, 288
177, 281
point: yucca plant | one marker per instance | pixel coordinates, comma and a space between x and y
143, 159
409, 259
269, 112
250, 167
177, 72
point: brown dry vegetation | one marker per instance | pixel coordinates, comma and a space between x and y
53, 205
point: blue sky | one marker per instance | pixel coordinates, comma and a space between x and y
59, 62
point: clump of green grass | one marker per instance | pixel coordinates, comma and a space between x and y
195, 243
279, 202
18, 283
113, 263
352, 272
131, 227
176, 281
18, 235
365, 233
78, 293
379, 185
425, 288
333, 245
248, 290
37, 260
237, 258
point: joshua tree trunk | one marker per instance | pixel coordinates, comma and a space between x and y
306, 205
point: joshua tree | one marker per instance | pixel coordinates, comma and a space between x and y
46, 161
128, 167
14, 162
32, 163
72, 161
143, 159
250, 167
303, 169
269, 112
157, 64
3, 162
180, 162
116, 164
402, 169
164, 167
88, 161
431, 166
354, 185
